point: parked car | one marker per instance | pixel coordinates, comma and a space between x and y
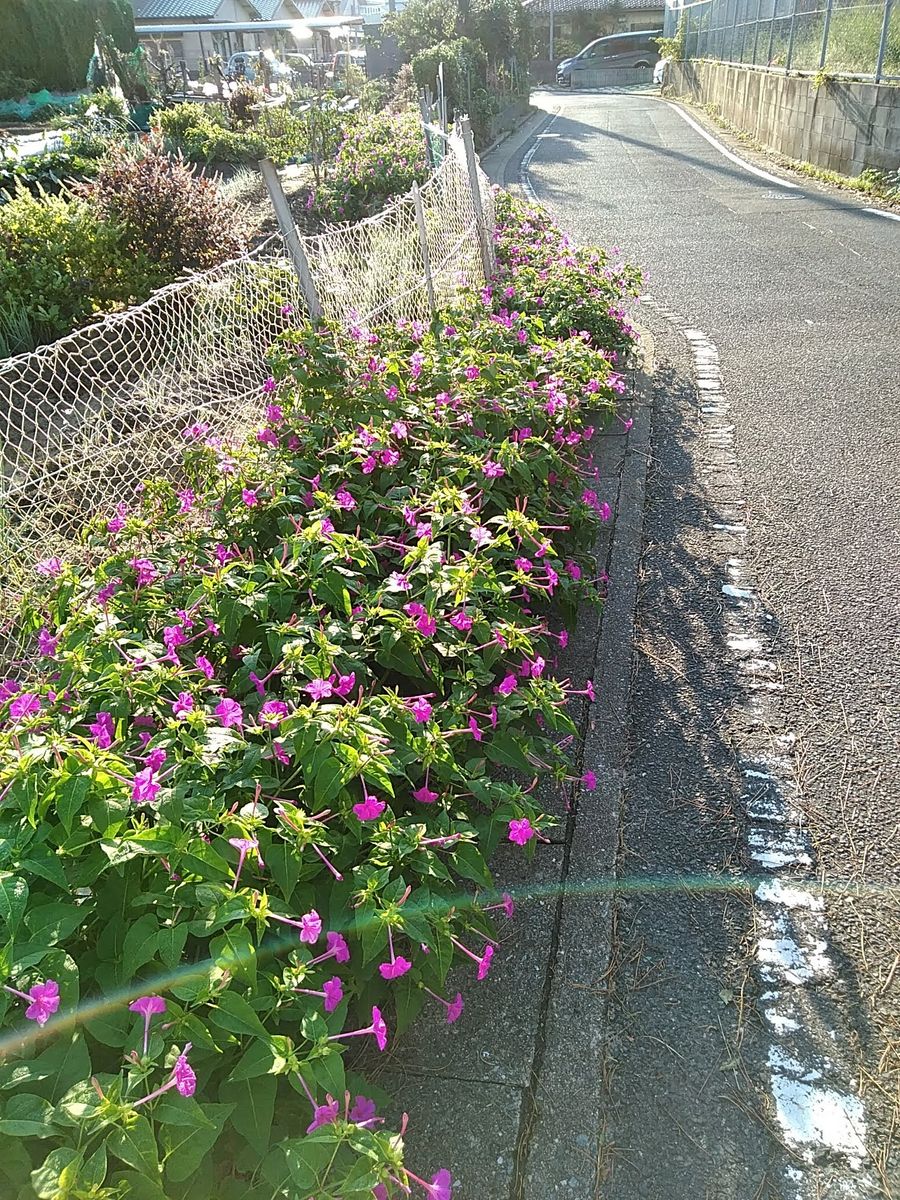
303, 69
344, 59
631, 50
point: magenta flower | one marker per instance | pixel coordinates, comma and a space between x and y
441, 1186
280, 753
492, 470
369, 464
183, 706
521, 831
155, 758
148, 1007
26, 704
475, 729
398, 583
337, 949
193, 433
267, 437
144, 787
144, 570
363, 1111
426, 625
273, 711
243, 847
394, 969
414, 609
103, 730
370, 808
421, 710
47, 644
8, 689
230, 713
378, 1029
319, 689
274, 414
424, 795
343, 684
333, 990
268, 386
187, 500
472, 373
485, 964
249, 497
43, 1000
589, 691
605, 511
182, 1078
573, 569
310, 927
390, 458
343, 499
49, 567
461, 621
203, 664
509, 685
324, 1114
523, 564
589, 779
481, 536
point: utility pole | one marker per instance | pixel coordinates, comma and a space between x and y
552, 14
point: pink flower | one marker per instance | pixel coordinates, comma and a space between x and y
249, 497
369, 809
573, 569
390, 458
563, 638
475, 730
426, 625
421, 710
481, 536
461, 621
363, 1110
203, 664
319, 689
424, 795
343, 499
144, 787
400, 430
230, 713
398, 583
267, 437
183, 1074
148, 1007
193, 433
268, 386
589, 691
521, 831
8, 689
589, 779
183, 706
274, 414
273, 711
310, 927
188, 500
523, 564
454, 1009
605, 511
104, 594
49, 567
44, 1001
337, 946
144, 571
394, 969
369, 464
280, 753
485, 965
343, 684
509, 685
492, 470
379, 1028
26, 704
334, 993
324, 1114
103, 730
441, 1187
47, 644
472, 373
414, 609
155, 758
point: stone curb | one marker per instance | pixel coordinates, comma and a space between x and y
560, 1139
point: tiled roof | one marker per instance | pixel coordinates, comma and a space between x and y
154, 10
558, 6
267, 10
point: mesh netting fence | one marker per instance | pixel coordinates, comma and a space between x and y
85, 420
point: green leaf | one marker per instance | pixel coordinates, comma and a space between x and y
468, 862
254, 1108
70, 798
93, 1173
329, 780
45, 1180
170, 943
284, 866
13, 898
54, 922
232, 1013
507, 751
235, 952
41, 862
183, 1111
63, 1063
140, 946
27, 1115
185, 1149
258, 1060
329, 1071
138, 1187
136, 1146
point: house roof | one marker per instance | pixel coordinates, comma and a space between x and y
268, 10
559, 6
160, 10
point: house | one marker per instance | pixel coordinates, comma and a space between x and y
194, 31
568, 25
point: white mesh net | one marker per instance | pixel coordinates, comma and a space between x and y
85, 420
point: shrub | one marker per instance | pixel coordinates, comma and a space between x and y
14, 87
379, 158
60, 265
269, 714
166, 211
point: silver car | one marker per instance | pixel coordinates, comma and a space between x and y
629, 50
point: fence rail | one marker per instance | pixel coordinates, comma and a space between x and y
85, 420
840, 37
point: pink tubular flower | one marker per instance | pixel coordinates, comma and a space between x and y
454, 1009
395, 968
573, 570
343, 499
333, 990
47, 644
605, 511
370, 809
8, 689
426, 625
144, 787
310, 927
363, 1111
337, 949
324, 1114
280, 753
475, 730
155, 758
461, 621
481, 536
273, 711
424, 795
521, 831
343, 685
43, 1000
397, 582
148, 1007
103, 730
390, 458
243, 847
26, 704
187, 500
378, 1029
319, 689
589, 779
509, 685
472, 373
230, 713
420, 709
203, 664
274, 414
268, 386
485, 965
249, 497
49, 567
193, 433
492, 470
183, 706
182, 1078
144, 570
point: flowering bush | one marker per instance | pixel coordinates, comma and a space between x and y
379, 158
247, 771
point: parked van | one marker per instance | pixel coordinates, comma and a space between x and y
631, 50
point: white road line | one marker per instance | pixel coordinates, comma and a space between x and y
880, 212
723, 150
524, 181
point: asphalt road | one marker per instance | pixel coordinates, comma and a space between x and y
799, 288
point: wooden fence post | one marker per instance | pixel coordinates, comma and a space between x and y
423, 245
423, 110
291, 237
487, 256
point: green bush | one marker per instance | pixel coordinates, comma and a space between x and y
60, 266
14, 87
49, 171
165, 211
52, 40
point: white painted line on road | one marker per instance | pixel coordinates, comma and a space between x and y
524, 181
723, 150
880, 212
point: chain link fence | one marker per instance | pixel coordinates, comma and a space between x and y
85, 420
839, 37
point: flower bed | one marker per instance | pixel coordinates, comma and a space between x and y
247, 773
